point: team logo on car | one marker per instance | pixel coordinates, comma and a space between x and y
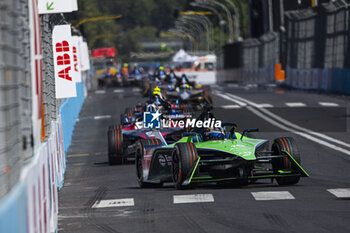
151, 120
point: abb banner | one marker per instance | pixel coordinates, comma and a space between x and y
76, 49
65, 74
42, 177
85, 62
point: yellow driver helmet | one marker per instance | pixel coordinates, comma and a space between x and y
156, 91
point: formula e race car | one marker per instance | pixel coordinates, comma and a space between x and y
218, 155
122, 138
193, 97
180, 90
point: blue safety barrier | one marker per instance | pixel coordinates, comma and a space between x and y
335, 80
69, 111
13, 210
338, 80
347, 81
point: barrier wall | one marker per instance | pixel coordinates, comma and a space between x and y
69, 111
330, 80
13, 210
32, 204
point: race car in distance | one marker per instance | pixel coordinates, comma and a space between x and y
180, 89
218, 155
194, 96
122, 138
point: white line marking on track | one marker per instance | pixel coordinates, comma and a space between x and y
264, 106
118, 91
193, 198
273, 119
296, 104
328, 104
100, 92
114, 203
102, 117
281, 123
136, 89
274, 195
340, 193
232, 106
240, 103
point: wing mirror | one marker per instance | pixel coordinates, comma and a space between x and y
255, 130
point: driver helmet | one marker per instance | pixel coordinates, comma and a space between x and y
156, 91
214, 135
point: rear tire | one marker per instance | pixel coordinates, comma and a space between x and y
115, 145
288, 144
183, 160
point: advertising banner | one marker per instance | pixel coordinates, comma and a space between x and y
64, 62
57, 6
85, 57
76, 70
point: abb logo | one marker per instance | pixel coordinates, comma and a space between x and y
63, 60
75, 59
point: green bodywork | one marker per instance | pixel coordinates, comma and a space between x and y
244, 148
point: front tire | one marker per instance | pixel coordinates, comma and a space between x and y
287, 144
183, 160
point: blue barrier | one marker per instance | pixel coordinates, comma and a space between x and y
13, 210
347, 82
335, 80
69, 111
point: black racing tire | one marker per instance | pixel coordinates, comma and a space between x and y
139, 161
287, 144
183, 160
115, 145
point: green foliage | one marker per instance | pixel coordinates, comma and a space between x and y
141, 19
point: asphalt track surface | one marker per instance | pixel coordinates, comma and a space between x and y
97, 197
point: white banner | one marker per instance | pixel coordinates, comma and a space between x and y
41, 176
57, 6
76, 59
63, 57
53, 183
85, 57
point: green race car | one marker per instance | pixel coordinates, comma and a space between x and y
217, 155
